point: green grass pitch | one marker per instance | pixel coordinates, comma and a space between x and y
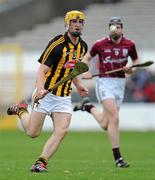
81, 156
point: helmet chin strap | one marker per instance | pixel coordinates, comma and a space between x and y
75, 34
115, 37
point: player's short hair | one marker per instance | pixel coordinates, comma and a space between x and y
115, 20
73, 15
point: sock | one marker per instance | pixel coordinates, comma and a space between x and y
116, 153
43, 160
88, 107
21, 111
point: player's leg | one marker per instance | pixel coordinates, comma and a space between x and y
112, 111
107, 118
100, 116
32, 123
111, 93
60, 109
61, 123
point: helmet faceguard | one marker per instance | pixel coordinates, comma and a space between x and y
71, 15
115, 20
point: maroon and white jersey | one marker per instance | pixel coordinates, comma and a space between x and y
113, 56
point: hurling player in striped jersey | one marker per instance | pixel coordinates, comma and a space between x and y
62, 49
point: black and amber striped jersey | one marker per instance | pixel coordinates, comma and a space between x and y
59, 51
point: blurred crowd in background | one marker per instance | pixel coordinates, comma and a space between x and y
140, 87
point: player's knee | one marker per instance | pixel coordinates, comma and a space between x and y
33, 134
115, 120
61, 133
104, 126
64, 132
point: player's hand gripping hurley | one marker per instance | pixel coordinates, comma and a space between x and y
79, 68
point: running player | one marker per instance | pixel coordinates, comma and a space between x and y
60, 50
113, 52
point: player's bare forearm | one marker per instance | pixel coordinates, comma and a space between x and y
87, 59
40, 76
76, 81
81, 89
40, 80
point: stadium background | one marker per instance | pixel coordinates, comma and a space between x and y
28, 25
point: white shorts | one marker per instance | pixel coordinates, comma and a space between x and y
110, 88
51, 103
